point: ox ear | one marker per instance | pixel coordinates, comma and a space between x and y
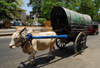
22, 31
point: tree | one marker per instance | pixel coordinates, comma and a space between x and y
97, 5
20, 3
90, 7
36, 5
44, 7
71, 4
41, 20
86, 7
8, 9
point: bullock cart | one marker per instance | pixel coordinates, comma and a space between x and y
70, 26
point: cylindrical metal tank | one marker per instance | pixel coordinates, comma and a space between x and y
78, 18
73, 22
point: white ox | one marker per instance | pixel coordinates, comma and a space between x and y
37, 44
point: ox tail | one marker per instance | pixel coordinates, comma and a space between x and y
54, 39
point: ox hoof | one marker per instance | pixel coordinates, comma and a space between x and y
47, 60
32, 63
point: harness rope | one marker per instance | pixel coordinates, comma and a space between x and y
23, 43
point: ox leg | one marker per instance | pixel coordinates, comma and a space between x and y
49, 53
32, 56
54, 51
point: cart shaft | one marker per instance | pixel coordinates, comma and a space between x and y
42, 37
57, 36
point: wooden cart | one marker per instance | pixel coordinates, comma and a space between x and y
69, 26
75, 25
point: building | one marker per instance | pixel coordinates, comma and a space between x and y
33, 16
22, 16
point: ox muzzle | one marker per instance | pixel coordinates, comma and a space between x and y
13, 46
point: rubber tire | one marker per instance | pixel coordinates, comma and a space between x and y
76, 41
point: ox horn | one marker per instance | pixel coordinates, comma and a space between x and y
22, 30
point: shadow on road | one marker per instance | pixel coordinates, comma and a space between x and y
7, 28
41, 61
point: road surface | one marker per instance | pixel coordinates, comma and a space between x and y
65, 58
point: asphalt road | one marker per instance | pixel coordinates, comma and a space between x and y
9, 31
65, 58
12, 31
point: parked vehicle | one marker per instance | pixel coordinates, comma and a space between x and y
16, 23
1, 25
7, 24
23, 23
11, 22
94, 28
36, 24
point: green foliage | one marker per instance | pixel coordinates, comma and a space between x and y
5, 8
32, 20
20, 3
8, 9
99, 18
86, 7
97, 5
36, 5
41, 20
47, 7
27, 18
44, 7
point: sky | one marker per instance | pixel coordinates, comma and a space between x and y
28, 9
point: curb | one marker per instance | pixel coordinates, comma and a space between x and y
6, 34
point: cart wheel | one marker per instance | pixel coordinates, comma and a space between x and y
97, 33
60, 44
80, 42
